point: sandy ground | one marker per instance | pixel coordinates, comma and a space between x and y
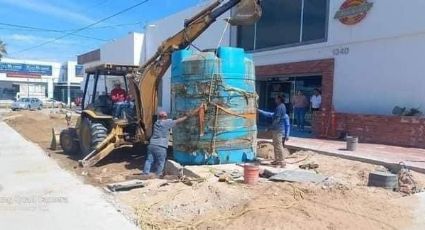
343, 203
37, 127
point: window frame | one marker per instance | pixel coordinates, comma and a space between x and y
301, 43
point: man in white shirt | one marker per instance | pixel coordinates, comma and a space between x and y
316, 100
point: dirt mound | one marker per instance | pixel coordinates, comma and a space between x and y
36, 126
210, 205
342, 202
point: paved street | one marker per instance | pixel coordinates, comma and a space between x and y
35, 193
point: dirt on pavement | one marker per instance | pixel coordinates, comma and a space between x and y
36, 126
344, 202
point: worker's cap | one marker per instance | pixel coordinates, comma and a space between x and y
117, 83
162, 114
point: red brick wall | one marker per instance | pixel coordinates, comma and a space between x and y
392, 130
323, 67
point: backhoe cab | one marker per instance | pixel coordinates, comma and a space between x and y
104, 121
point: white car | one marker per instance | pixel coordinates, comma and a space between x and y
27, 103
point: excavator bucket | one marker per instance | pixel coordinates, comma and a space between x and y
247, 12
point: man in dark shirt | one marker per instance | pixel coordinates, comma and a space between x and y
158, 145
278, 130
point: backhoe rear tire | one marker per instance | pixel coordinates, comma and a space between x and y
91, 134
69, 141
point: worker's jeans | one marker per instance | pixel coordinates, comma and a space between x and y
156, 156
300, 117
278, 145
119, 107
287, 126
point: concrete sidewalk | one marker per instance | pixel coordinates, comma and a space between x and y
370, 153
35, 193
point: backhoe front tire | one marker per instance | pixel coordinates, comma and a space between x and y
91, 134
69, 141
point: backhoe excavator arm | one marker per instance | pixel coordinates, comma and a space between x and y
147, 80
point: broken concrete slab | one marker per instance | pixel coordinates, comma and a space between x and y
176, 169
125, 185
173, 168
269, 171
209, 171
302, 176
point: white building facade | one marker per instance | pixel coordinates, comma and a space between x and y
121, 51
365, 56
377, 61
27, 78
67, 87
40, 79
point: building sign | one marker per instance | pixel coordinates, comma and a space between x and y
19, 75
353, 11
25, 69
79, 71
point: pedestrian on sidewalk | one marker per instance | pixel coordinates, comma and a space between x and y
300, 105
287, 123
316, 100
278, 130
158, 145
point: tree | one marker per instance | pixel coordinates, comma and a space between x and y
2, 49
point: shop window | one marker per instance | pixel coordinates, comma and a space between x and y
314, 20
286, 23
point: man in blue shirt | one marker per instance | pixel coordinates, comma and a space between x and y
278, 129
158, 145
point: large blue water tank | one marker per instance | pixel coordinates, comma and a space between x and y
223, 81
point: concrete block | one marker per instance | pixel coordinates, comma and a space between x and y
173, 168
269, 171
176, 169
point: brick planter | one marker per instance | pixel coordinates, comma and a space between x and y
391, 130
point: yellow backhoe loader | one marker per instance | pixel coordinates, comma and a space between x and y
98, 130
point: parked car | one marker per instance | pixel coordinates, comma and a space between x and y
52, 103
27, 103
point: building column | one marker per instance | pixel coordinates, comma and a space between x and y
50, 88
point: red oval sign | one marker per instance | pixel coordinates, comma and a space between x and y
353, 11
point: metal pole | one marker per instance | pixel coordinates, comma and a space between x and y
69, 92
302, 21
28, 87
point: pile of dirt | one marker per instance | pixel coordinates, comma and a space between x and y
179, 205
296, 206
35, 125
343, 201
212, 205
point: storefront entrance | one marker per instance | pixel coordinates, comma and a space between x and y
60, 92
269, 87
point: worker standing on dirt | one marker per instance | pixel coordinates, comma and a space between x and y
278, 130
118, 96
158, 145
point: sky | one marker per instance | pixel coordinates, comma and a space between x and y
59, 17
